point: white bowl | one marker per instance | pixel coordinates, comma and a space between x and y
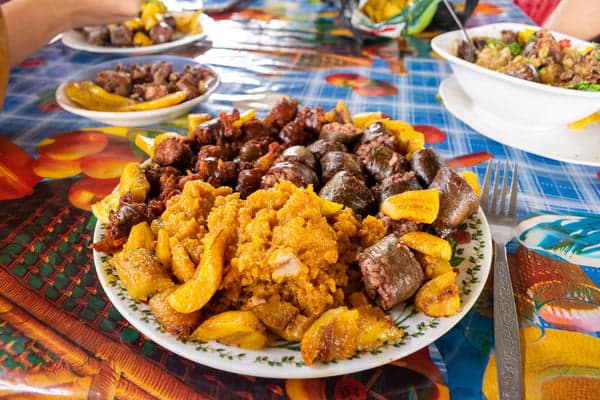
538, 105
134, 118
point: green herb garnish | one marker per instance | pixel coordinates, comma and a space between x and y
587, 86
515, 48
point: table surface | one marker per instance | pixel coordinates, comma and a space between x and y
59, 333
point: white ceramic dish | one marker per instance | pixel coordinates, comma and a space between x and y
76, 40
537, 105
558, 143
134, 118
283, 360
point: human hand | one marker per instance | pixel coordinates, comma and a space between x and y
98, 12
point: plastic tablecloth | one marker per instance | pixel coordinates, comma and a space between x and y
60, 336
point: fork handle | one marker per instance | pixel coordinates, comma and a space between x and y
506, 331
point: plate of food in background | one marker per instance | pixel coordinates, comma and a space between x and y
138, 91
155, 30
256, 247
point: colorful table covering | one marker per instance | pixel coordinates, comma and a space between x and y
60, 336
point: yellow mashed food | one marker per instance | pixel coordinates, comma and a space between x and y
280, 244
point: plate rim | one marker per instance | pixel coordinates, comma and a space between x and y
76, 41
225, 362
468, 113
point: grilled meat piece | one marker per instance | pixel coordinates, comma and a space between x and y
376, 135
401, 226
336, 161
299, 154
174, 151
394, 184
294, 133
390, 272
322, 146
382, 161
458, 201
312, 119
96, 35
283, 112
249, 181
347, 189
161, 33
114, 81
343, 133
120, 35
425, 162
299, 174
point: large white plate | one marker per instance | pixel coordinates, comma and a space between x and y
76, 40
558, 143
285, 360
134, 118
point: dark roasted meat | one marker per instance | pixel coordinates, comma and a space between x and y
173, 151
96, 35
161, 33
320, 147
458, 201
394, 184
390, 272
345, 188
343, 133
381, 161
299, 154
118, 82
283, 112
300, 175
425, 163
336, 161
120, 35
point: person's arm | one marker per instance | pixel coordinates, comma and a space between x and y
578, 18
30, 24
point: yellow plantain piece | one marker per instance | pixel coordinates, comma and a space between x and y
140, 39
172, 321
140, 237
234, 328
428, 244
194, 120
433, 266
366, 119
283, 318
93, 97
439, 297
102, 208
133, 180
141, 273
329, 207
181, 264
375, 328
471, 179
196, 292
166, 101
244, 117
408, 138
417, 205
188, 22
163, 248
333, 336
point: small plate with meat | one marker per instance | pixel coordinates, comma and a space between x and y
268, 251
154, 31
138, 91
524, 74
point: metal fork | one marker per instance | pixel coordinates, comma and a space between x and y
502, 217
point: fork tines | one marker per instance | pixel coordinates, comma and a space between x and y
497, 192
